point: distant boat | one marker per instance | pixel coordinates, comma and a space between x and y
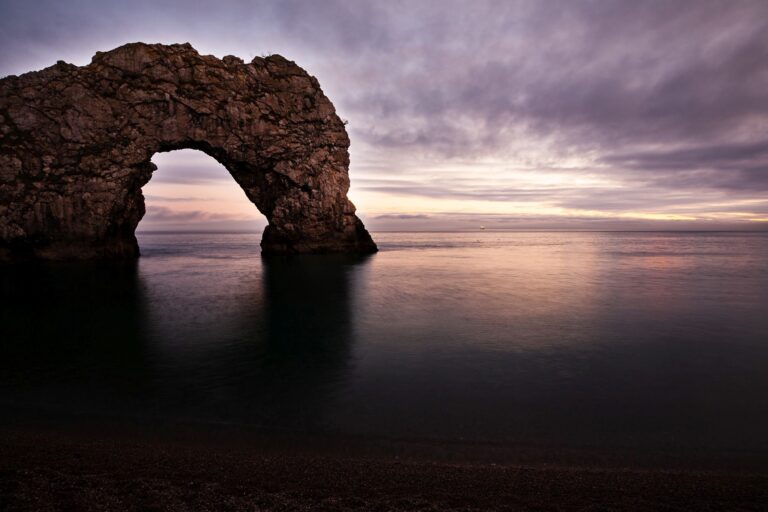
482, 227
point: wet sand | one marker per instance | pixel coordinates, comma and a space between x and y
53, 471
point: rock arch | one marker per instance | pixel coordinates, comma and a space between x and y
76, 144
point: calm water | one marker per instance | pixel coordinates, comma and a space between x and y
645, 341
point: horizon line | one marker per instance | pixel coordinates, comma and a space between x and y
497, 230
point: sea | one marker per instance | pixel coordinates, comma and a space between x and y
625, 344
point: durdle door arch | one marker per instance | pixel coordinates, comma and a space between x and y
76, 144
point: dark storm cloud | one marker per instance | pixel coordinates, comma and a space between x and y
729, 156
738, 167
452, 77
342, 24
588, 74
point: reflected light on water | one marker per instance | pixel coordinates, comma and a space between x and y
648, 341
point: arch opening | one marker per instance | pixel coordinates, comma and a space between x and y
191, 191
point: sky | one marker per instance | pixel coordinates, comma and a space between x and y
578, 114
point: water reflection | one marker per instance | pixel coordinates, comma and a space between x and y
132, 341
309, 336
581, 339
71, 331
264, 343
610, 340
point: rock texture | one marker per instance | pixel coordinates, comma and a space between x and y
76, 144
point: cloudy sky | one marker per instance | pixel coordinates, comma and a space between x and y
510, 114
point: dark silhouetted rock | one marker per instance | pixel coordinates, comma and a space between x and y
76, 144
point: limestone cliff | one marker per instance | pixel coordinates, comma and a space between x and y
76, 144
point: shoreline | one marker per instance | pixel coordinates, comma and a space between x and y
162, 431
45, 470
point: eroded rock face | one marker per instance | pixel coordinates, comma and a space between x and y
76, 144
